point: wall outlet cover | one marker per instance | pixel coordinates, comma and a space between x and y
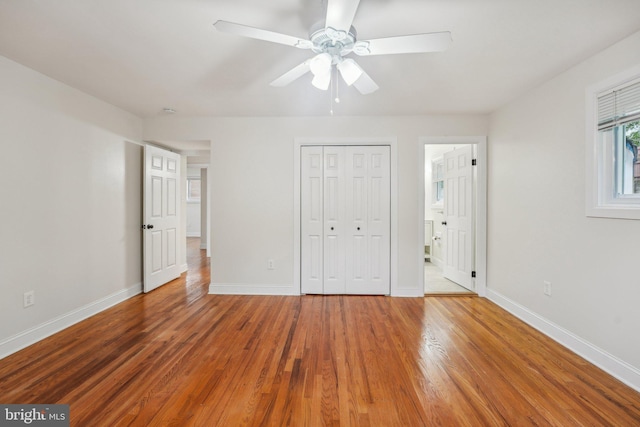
29, 298
547, 288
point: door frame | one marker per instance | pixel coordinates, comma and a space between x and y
481, 205
392, 142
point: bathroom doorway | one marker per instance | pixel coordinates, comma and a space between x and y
452, 220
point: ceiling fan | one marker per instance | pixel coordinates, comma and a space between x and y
334, 39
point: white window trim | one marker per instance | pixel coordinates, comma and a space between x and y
192, 199
435, 203
600, 201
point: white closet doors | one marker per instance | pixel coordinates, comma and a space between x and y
345, 220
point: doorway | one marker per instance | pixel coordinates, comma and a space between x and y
453, 220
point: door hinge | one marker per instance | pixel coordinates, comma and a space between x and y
473, 274
474, 162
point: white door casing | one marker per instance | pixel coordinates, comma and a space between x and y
161, 217
345, 219
458, 214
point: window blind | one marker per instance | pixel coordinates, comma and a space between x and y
619, 106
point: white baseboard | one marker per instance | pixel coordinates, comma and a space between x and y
37, 333
184, 267
251, 289
408, 293
193, 234
436, 261
617, 368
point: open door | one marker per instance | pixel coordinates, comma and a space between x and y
458, 213
161, 216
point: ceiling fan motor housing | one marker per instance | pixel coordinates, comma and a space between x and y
334, 42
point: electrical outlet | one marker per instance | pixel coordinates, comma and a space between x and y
29, 299
547, 288
271, 265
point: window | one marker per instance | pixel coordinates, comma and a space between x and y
193, 189
437, 183
627, 163
613, 161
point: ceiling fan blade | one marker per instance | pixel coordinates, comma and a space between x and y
418, 43
340, 14
365, 84
257, 33
292, 74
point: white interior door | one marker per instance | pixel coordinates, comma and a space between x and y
345, 220
458, 213
161, 214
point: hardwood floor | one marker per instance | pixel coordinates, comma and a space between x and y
179, 356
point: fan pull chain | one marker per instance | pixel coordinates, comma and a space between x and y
337, 85
330, 104
334, 82
331, 93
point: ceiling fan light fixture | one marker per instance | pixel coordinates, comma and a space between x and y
321, 64
349, 70
321, 81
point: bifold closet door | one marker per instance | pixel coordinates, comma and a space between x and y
345, 220
368, 220
311, 220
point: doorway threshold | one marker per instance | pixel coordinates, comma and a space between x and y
451, 294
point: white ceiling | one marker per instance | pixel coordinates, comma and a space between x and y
144, 55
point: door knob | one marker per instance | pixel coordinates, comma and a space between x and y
149, 227
444, 222
358, 228
331, 228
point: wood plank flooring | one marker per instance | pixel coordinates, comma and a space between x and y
181, 357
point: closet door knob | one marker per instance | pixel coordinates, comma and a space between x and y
358, 228
331, 228
444, 222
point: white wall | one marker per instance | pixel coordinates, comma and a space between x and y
182, 246
252, 186
204, 209
537, 228
193, 208
70, 188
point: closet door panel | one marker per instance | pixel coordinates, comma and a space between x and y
379, 223
312, 221
368, 216
334, 220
